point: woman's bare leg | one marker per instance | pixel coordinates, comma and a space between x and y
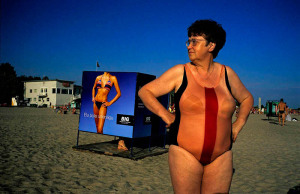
185, 170
102, 115
96, 113
217, 175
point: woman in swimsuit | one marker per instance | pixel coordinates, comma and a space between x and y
282, 112
103, 84
201, 131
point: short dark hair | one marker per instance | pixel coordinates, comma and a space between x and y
211, 31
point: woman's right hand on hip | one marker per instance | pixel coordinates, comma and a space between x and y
169, 119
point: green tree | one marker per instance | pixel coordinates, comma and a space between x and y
20, 85
45, 78
8, 82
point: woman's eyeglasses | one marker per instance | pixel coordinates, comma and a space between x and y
193, 42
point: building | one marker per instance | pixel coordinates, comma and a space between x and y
51, 92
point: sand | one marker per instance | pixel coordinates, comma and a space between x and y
37, 157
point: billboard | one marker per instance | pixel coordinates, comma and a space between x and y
110, 104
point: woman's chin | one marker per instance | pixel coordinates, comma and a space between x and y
192, 58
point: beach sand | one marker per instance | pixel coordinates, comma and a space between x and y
37, 157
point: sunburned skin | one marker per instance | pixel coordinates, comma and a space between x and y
204, 128
200, 159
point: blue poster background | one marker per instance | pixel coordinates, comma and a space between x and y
124, 105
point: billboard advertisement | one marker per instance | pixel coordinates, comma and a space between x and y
110, 104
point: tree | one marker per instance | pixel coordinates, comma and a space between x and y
8, 82
45, 78
20, 85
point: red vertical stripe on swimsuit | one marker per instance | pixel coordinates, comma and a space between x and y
204, 116
211, 113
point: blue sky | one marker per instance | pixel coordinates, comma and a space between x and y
61, 39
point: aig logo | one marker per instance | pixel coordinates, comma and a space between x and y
147, 119
124, 119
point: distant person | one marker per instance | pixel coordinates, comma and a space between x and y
201, 131
74, 110
288, 114
281, 112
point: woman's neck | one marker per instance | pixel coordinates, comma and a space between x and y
204, 65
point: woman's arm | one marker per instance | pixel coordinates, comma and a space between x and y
244, 97
118, 95
167, 82
93, 91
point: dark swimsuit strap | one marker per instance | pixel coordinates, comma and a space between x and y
227, 81
229, 88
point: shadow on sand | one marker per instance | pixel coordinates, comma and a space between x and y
273, 121
139, 149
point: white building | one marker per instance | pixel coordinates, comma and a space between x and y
50, 92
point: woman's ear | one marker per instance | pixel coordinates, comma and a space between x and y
211, 46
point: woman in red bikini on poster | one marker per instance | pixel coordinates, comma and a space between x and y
102, 86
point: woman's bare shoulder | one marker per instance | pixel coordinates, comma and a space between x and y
172, 78
179, 67
98, 78
174, 74
167, 82
112, 77
176, 70
230, 72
